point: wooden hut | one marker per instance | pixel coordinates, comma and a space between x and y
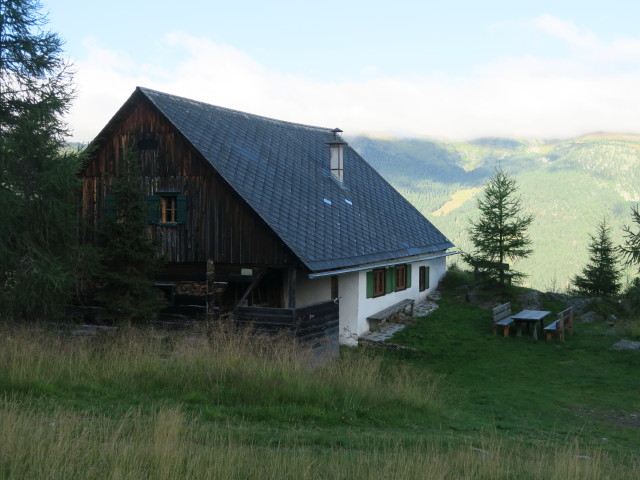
263, 217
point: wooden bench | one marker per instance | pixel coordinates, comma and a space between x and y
502, 318
483, 268
390, 312
565, 320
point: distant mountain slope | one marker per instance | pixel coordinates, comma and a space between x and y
407, 158
568, 185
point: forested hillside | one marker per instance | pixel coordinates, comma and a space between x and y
568, 185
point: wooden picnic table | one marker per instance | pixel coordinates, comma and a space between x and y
530, 317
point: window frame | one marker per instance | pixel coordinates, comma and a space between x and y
168, 209
157, 209
401, 277
379, 282
384, 280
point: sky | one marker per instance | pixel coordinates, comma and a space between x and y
450, 70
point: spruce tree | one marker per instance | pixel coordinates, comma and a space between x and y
129, 258
500, 232
601, 276
39, 252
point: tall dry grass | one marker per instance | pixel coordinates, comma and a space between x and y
166, 444
141, 405
231, 369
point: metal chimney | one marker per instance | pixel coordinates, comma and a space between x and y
336, 155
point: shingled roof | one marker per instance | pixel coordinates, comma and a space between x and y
281, 170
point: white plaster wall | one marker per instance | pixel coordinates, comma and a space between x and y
312, 291
349, 290
369, 306
319, 289
355, 307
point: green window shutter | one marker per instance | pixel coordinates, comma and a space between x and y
426, 277
182, 208
369, 284
110, 205
153, 209
408, 275
390, 280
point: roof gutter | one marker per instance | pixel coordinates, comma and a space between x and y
370, 266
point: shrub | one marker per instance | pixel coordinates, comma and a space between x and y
456, 277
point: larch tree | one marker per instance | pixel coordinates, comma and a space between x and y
500, 232
601, 276
630, 249
38, 233
630, 253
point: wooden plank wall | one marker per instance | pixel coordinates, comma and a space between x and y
312, 325
219, 225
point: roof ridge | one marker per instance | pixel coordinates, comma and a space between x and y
146, 90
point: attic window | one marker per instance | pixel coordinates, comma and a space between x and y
147, 141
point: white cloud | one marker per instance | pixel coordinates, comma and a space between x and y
621, 50
567, 31
525, 97
617, 51
105, 80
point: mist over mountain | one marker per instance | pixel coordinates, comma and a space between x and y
568, 185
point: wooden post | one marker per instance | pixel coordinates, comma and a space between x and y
210, 291
291, 277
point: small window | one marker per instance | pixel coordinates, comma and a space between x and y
378, 282
147, 141
383, 281
424, 278
168, 209
401, 277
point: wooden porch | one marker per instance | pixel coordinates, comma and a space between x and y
312, 325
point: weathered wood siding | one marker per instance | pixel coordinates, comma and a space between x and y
312, 325
219, 224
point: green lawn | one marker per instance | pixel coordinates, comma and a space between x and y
463, 404
535, 388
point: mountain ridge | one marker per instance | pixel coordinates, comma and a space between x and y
568, 185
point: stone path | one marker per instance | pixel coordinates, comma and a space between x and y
626, 345
387, 330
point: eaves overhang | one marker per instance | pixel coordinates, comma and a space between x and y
371, 266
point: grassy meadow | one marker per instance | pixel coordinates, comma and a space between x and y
137, 404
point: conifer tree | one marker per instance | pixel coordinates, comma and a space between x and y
129, 258
500, 232
38, 213
601, 276
630, 253
630, 250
